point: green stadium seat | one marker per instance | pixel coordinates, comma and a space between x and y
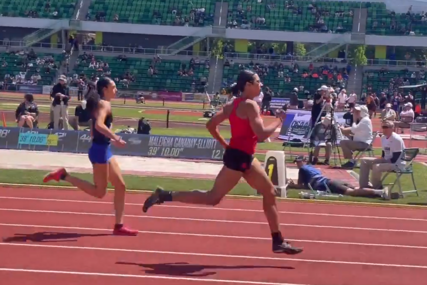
382, 21
167, 77
300, 19
379, 80
21, 8
13, 66
278, 84
157, 12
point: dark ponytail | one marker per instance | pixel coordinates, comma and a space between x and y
101, 85
94, 96
244, 77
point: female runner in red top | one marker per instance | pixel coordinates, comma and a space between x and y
247, 129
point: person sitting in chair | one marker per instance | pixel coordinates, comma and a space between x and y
392, 148
27, 112
323, 132
81, 117
360, 134
308, 174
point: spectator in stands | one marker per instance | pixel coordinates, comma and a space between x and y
60, 97
293, 102
27, 112
392, 148
352, 100
81, 117
407, 116
318, 102
388, 114
323, 132
342, 99
268, 96
309, 175
360, 134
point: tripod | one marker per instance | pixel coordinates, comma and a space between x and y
332, 129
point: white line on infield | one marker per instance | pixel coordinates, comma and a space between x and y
217, 209
216, 236
213, 221
158, 277
212, 255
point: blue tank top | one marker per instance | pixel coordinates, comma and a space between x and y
99, 138
309, 174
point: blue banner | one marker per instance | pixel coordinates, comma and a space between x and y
137, 145
34, 89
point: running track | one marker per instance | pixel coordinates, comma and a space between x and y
63, 237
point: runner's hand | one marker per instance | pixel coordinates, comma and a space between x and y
280, 114
118, 143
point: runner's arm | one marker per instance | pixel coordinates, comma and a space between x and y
214, 122
262, 132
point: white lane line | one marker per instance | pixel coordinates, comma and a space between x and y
214, 221
212, 255
158, 277
217, 209
217, 236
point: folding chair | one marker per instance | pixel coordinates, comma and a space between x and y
408, 155
369, 149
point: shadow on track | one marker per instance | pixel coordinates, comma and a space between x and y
49, 237
192, 270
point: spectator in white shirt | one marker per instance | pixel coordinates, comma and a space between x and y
392, 148
388, 114
352, 100
342, 99
406, 118
259, 98
360, 134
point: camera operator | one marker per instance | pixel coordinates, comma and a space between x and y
318, 102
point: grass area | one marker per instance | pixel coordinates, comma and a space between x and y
123, 113
15, 176
118, 102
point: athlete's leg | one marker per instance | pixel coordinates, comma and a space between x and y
224, 182
116, 179
259, 180
98, 189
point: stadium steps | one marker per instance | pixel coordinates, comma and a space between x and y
359, 21
215, 75
221, 12
82, 9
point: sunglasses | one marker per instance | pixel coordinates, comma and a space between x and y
385, 127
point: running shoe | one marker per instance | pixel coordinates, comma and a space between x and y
55, 175
121, 230
286, 247
155, 198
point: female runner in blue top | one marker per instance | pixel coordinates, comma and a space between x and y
105, 166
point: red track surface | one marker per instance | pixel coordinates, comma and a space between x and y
63, 237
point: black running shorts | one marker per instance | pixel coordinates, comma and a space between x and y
338, 187
237, 160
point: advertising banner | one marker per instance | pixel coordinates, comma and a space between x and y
278, 103
34, 89
297, 125
47, 89
161, 95
137, 145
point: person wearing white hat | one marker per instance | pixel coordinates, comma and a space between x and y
388, 114
407, 116
322, 133
318, 101
360, 133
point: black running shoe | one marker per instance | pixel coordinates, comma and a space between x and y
286, 247
154, 199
